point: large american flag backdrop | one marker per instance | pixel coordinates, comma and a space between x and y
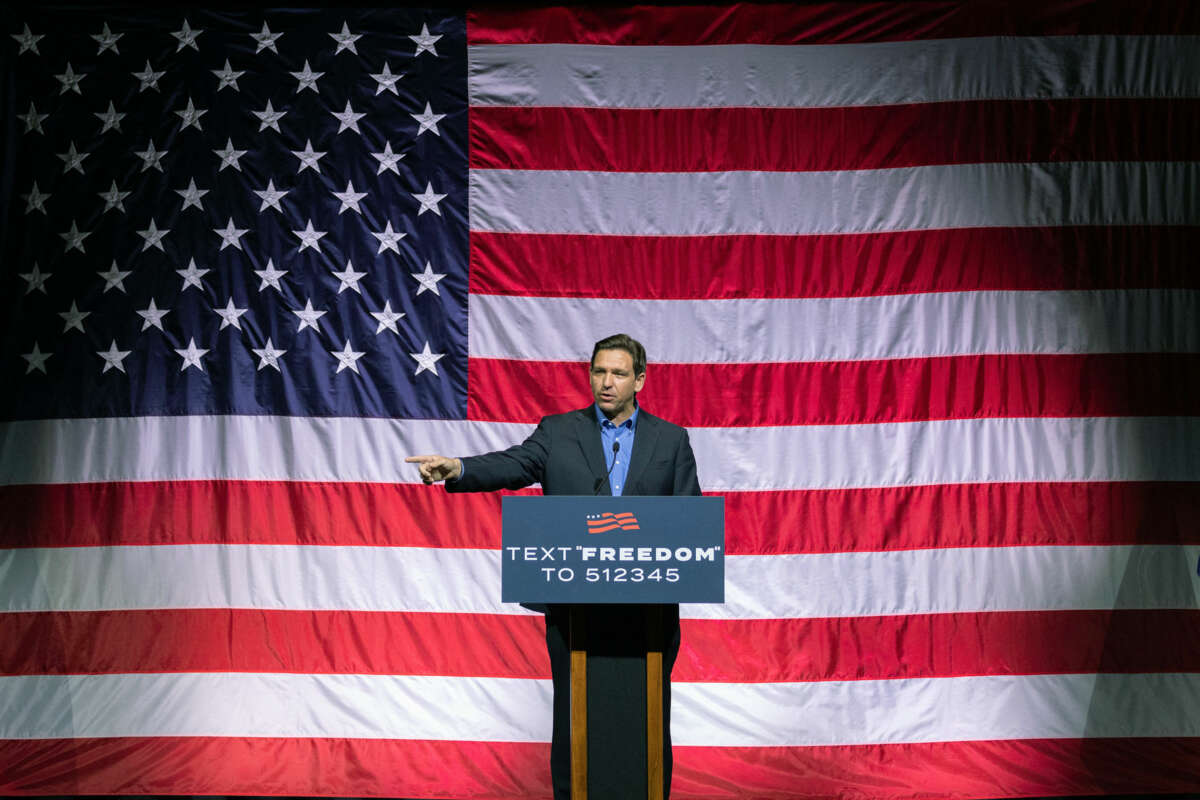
920, 279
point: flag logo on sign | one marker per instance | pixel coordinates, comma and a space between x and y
608, 521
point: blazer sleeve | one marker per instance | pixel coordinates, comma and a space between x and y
686, 482
514, 468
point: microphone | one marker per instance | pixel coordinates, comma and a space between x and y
616, 448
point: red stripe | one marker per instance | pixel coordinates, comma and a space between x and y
1014, 768
825, 23
757, 523
253, 640
849, 265
939, 646
172, 765
806, 139
247, 512
512, 646
519, 771
853, 392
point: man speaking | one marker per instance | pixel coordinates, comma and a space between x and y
610, 447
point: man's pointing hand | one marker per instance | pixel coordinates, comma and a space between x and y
436, 468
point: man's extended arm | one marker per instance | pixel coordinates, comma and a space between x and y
514, 468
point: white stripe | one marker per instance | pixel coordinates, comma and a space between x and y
275, 705
728, 459
845, 201
496, 709
935, 710
954, 580
948, 451
236, 448
842, 329
810, 76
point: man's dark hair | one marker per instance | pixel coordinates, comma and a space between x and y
621, 341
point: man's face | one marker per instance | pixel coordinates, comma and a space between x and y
614, 384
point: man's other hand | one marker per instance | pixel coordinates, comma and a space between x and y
436, 468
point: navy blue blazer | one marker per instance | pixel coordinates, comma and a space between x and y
566, 456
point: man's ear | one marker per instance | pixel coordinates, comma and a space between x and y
639, 382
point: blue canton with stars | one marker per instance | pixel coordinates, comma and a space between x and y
244, 212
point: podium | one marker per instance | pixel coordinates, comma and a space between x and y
600, 561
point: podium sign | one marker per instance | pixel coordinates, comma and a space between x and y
568, 549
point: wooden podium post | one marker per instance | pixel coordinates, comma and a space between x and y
654, 703
578, 705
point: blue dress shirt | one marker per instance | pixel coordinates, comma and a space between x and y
623, 434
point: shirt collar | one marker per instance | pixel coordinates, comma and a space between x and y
630, 423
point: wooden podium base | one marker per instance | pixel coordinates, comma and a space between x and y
654, 704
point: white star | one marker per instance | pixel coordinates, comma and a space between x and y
28, 40
269, 118
114, 198
114, 278
266, 40
191, 195
347, 358
388, 239
192, 275
191, 116
187, 37
425, 41
428, 279
387, 319
151, 157
36, 199
307, 78
428, 120
387, 80
270, 276
32, 119
36, 360
70, 80
345, 40
113, 357
348, 118
429, 200
270, 196
74, 238
229, 156
230, 235
229, 315
152, 316
308, 317
191, 356
310, 237
387, 159
269, 355
308, 158
427, 360
107, 40
73, 159
148, 77
73, 318
36, 279
228, 77
153, 236
349, 198
110, 118
349, 278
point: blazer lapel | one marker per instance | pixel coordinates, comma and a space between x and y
587, 431
644, 440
